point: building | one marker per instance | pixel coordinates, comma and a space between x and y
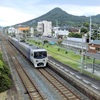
94, 53
45, 27
75, 44
59, 32
32, 31
24, 29
11, 30
74, 30
94, 46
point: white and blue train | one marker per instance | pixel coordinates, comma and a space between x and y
36, 55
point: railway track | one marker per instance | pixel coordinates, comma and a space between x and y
30, 85
63, 91
32, 89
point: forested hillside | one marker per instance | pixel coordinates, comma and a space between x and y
63, 18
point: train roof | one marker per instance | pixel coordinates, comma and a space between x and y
29, 46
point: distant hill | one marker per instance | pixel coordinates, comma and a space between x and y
63, 18
0, 27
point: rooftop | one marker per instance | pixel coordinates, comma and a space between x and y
23, 28
95, 42
93, 55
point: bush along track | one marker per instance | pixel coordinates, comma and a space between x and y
5, 76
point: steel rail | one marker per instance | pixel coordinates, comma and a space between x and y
64, 91
29, 84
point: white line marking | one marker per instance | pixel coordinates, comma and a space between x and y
94, 86
78, 77
87, 82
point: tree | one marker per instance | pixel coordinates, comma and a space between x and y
86, 24
76, 35
59, 41
46, 41
95, 34
84, 30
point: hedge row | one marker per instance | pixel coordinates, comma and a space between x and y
5, 76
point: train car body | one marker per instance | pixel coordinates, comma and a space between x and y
36, 55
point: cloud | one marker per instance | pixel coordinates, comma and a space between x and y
82, 10
12, 16
76, 10
17, 11
72, 2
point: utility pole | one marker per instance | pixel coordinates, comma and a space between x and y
42, 33
57, 27
82, 56
90, 31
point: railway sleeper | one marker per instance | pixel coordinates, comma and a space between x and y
31, 89
69, 94
59, 86
35, 95
72, 97
64, 89
39, 98
66, 92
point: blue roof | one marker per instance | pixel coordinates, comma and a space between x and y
95, 42
51, 42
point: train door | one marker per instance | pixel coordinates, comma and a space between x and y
31, 56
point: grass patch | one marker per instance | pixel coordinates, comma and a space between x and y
70, 58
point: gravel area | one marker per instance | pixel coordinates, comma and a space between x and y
48, 91
45, 88
83, 97
17, 89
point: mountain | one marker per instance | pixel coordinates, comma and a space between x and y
63, 18
0, 27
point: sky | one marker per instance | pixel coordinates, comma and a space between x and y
16, 11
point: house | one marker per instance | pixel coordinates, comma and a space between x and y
74, 30
94, 53
11, 30
94, 46
24, 29
60, 33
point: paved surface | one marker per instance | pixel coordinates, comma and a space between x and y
85, 77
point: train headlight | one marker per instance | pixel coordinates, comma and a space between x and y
36, 60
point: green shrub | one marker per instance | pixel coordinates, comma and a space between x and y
39, 43
58, 49
1, 64
46, 41
6, 70
66, 52
47, 46
1, 56
5, 76
5, 83
35, 42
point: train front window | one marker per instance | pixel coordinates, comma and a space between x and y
39, 55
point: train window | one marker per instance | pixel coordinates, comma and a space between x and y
40, 55
31, 54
